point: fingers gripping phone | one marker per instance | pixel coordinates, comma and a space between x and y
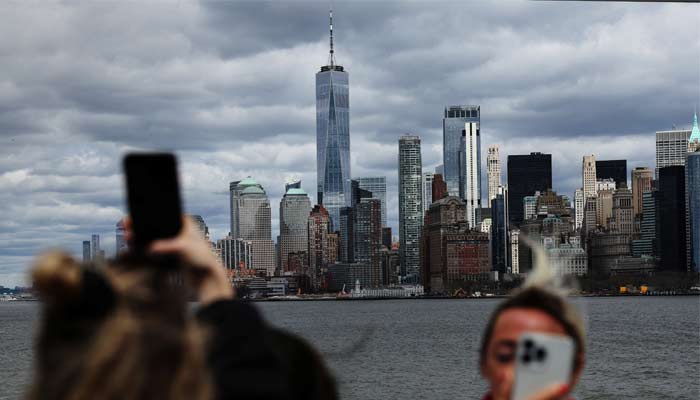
153, 196
541, 360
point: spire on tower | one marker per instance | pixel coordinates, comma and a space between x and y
331, 56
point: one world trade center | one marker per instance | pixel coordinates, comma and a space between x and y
332, 137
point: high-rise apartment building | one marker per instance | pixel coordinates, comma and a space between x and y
642, 180
493, 166
579, 201
671, 220
333, 136
526, 175
376, 185
95, 249
295, 207
460, 147
472, 185
693, 186
612, 169
588, 174
368, 238
427, 190
86, 251
410, 206
671, 148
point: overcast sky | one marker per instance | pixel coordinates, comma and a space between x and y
229, 86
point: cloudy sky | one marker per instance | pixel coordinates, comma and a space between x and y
229, 86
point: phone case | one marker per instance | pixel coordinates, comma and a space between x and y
541, 360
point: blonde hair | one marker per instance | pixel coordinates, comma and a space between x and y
143, 345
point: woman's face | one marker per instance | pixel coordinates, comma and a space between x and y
499, 362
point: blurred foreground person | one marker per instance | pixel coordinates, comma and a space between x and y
531, 310
125, 332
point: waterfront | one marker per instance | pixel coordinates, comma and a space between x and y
639, 347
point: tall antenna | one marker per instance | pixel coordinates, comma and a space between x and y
331, 56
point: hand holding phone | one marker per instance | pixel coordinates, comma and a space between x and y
543, 362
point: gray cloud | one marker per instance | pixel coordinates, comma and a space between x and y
230, 87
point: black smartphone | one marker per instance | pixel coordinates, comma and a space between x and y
153, 196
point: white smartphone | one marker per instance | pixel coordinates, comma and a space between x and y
541, 360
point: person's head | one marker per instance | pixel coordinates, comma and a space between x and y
530, 310
119, 333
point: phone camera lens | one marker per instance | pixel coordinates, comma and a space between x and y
541, 354
526, 359
528, 344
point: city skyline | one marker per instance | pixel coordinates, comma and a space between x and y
63, 197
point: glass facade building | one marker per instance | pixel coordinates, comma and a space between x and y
693, 185
333, 140
410, 206
295, 207
612, 169
376, 185
527, 174
454, 147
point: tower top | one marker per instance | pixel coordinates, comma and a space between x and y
331, 66
695, 133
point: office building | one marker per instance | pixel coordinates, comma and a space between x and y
201, 226
368, 238
604, 206
410, 206
605, 248
646, 244
387, 237
348, 222
86, 251
333, 136
427, 190
451, 253
472, 184
578, 207
377, 186
236, 254
254, 224
694, 140
439, 188
622, 220
121, 245
588, 174
612, 169
95, 249
514, 253
671, 220
500, 240
605, 184
530, 206
320, 247
693, 186
460, 130
493, 166
642, 181
292, 183
527, 174
671, 148
295, 207
567, 259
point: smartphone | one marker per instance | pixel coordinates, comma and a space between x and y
541, 360
153, 196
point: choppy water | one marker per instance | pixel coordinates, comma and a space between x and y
638, 347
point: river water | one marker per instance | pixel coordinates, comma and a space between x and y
638, 347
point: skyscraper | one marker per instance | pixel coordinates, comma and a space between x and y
460, 142
439, 188
588, 174
427, 190
254, 223
693, 186
95, 249
201, 226
472, 184
319, 244
694, 140
368, 238
646, 244
410, 206
579, 202
500, 241
119, 236
493, 165
376, 185
86, 251
671, 148
612, 169
642, 178
295, 207
333, 136
671, 220
526, 175
622, 220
